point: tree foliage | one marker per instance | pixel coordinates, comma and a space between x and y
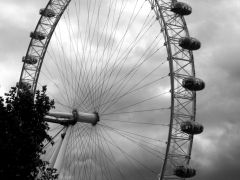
22, 132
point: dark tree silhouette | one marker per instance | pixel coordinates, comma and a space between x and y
22, 132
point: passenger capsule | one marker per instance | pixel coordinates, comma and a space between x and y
189, 43
193, 84
181, 8
184, 172
191, 127
47, 13
29, 59
37, 35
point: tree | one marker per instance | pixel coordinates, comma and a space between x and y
22, 132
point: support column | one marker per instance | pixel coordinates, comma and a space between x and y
59, 161
53, 159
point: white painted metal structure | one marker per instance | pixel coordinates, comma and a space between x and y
96, 157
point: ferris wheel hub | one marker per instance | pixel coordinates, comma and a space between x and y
91, 118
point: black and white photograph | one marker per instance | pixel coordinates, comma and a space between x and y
120, 89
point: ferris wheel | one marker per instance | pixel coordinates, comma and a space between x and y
122, 75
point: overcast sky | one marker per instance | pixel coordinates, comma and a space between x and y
216, 24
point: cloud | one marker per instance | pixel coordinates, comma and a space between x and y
216, 153
17, 20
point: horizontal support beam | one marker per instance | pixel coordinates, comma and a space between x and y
58, 121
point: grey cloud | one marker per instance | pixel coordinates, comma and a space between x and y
221, 159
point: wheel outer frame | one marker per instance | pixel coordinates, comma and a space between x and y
183, 102
181, 65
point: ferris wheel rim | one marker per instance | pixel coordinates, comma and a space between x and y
158, 10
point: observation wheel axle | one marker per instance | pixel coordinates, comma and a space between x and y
67, 119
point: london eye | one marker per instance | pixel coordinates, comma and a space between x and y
122, 75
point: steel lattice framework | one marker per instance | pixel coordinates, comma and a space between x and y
183, 102
38, 48
181, 65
